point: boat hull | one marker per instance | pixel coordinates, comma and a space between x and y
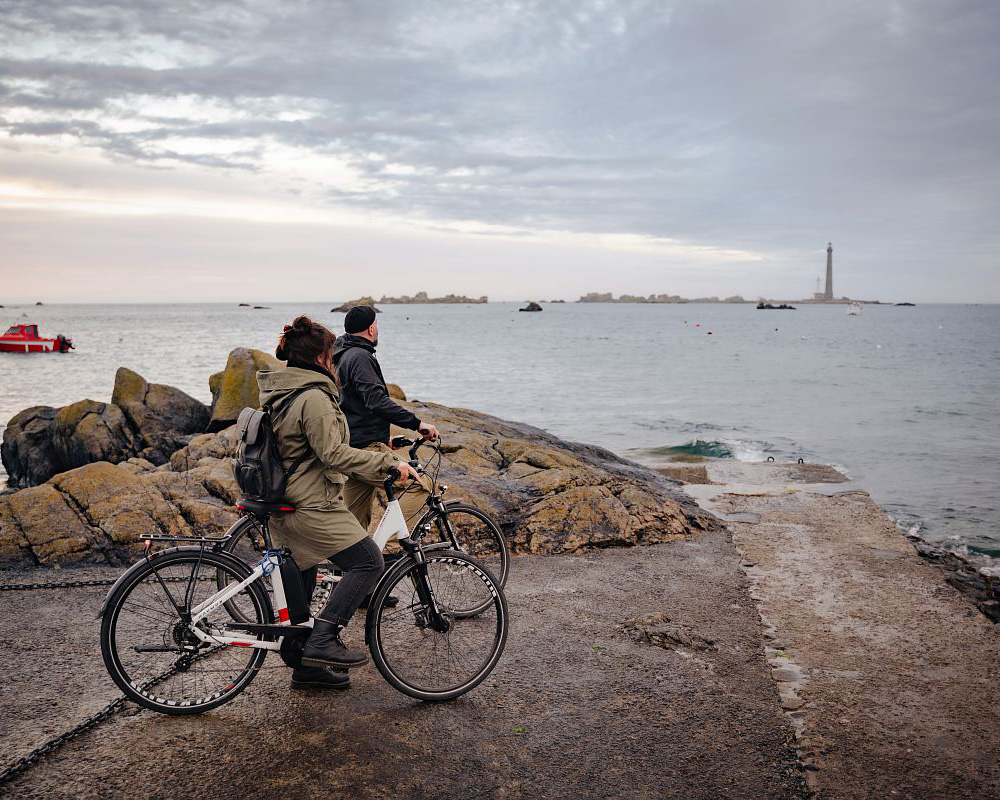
14, 346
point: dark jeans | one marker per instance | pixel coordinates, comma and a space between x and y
362, 566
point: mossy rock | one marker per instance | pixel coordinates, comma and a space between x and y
90, 431
235, 388
162, 416
130, 387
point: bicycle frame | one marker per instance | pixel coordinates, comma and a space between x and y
392, 524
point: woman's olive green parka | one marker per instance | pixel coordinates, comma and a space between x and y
321, 525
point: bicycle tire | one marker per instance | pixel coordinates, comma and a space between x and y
482, 540
423, 673
163, 625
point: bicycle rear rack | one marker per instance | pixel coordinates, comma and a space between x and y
162, 537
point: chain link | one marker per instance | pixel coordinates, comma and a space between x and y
24, 762
15, 587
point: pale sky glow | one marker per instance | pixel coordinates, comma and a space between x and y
516, 149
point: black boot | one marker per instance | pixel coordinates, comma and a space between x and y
319, 678
324, 648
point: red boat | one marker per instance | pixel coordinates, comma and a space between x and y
25, 339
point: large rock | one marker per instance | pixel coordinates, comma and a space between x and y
89, 431
552, 496
26, 451
549, 496
97, 513
161, 416
41, 442
235, 387
343, 308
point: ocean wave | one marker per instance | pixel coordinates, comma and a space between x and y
696, 449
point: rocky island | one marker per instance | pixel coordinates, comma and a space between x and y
343, 308
608, 297
421, 298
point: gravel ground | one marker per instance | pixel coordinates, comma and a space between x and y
576, 707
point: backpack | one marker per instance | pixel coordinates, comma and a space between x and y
258, 467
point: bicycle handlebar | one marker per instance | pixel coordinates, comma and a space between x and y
401, 441
416, 446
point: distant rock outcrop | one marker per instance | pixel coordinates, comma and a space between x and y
421, 298
532, 306
361, 301
235, 387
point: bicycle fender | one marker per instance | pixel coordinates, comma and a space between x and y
142, 563
124, 576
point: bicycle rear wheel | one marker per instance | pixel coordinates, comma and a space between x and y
472, 532
441, 659
151, 652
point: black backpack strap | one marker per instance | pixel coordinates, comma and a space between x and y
298, 462
272, 410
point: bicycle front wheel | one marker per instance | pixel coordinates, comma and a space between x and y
441, 656
152, 653
472, 532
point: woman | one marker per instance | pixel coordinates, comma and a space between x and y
307, 421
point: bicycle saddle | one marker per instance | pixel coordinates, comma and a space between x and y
260, 508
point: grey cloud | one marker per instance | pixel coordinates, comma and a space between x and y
770, 126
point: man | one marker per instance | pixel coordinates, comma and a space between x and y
365, 402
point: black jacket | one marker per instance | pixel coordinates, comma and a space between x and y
364, 398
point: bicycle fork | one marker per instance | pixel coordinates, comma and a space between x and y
429, 615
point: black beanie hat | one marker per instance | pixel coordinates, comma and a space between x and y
359, 318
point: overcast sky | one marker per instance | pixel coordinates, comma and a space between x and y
157, 150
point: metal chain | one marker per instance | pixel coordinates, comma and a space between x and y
24, 762
14, 587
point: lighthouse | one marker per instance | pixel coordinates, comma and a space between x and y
828, 294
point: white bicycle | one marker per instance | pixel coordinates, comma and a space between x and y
186, 629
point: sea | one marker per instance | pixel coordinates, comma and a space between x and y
904, 400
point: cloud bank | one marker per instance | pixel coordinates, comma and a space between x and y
701, 147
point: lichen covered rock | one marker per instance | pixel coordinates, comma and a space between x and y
548, 495
161, 416
26, 451
89, 431
235, 388
98, 512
